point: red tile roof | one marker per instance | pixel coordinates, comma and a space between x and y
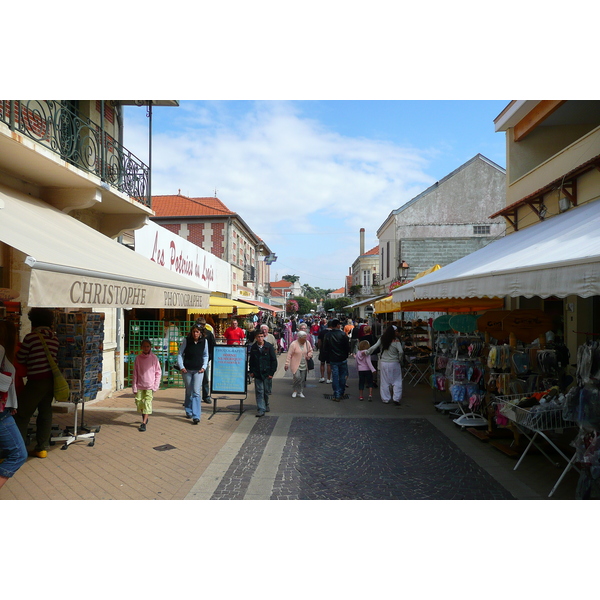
339, 291
182, 206
373, 251
281, 284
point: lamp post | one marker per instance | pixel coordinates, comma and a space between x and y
403, 268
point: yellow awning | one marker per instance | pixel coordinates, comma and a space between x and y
224, 306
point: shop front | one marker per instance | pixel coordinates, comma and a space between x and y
530, 366
58, 262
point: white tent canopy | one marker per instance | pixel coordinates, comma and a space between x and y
73, 265
558, 257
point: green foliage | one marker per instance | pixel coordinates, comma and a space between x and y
338, 304
291, 278
304, 305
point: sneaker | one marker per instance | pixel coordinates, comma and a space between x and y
267, 408
322, 380
39, 453
196, 421
336, 399
294, 394
301, 395
361, 398
207, 401
188, 416
142, 427
260, 413
329, 381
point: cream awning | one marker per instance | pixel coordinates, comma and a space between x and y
73, 265
557, 257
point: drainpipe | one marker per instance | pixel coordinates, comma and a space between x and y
149, 201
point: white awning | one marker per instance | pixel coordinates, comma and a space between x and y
557, 257
367, 301
73, 265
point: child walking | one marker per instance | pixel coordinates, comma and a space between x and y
365, 370
146, 379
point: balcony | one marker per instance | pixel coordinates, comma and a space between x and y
249, 274
78, 141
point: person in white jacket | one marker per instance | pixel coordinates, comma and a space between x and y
147, 375
390, 360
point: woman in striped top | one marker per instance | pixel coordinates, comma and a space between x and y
39, 389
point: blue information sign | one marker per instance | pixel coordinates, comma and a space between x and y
229, 368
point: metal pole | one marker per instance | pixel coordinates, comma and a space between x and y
150, 153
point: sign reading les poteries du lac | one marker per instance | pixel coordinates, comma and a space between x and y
175, 253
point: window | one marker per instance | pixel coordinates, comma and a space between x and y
481, 229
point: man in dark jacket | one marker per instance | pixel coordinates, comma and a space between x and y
210, 339
262, 365
336, 345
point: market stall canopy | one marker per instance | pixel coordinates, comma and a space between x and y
263, 306
451, 305
73, 265
557, 257
224, 306
367, 301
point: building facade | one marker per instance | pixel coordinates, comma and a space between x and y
447, 221
209, 224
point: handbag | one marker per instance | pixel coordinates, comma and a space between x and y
310, 364
61, 387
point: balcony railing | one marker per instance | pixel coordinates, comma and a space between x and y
79, 141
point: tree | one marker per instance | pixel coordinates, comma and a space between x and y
291, 278
304, 305
338, 304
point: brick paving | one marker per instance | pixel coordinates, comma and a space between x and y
304, 448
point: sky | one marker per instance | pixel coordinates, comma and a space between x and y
306, 176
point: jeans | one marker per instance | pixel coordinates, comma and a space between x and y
193, 391
262, 390
12, 446
206, 383
339, 374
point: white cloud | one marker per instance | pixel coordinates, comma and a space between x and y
283, 173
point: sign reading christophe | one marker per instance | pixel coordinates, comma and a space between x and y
84, 293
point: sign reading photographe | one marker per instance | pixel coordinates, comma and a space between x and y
229, 368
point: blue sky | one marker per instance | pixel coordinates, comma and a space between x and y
307, 175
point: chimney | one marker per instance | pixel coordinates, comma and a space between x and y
362, 241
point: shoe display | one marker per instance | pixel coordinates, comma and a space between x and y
142, 427
196, 421
294, 394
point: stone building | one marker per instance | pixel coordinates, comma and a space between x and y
447, 221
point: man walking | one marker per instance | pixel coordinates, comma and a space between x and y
337, 348
262, 366
210, 340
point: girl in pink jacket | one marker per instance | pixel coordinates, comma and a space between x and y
147, 375
365, 370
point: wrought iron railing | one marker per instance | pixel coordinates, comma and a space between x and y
79, 141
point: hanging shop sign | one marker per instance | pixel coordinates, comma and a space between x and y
464, 323
491, 322
527, 325
177, 254
442, 323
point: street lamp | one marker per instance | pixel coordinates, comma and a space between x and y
403, 268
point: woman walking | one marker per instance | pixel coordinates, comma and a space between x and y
389, 365
298, 354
